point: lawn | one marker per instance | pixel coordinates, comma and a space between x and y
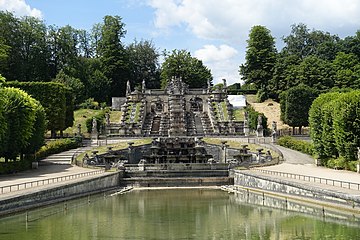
82, 115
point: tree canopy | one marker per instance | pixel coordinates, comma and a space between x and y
180, 63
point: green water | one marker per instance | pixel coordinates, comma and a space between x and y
174, 214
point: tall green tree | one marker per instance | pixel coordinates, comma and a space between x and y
304, 42
316, 73
260, 58
285, 74
144, 62
180, 63
113, 55
34, 50
10, 35
295, 104
347, 71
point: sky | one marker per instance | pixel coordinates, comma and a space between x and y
214, 31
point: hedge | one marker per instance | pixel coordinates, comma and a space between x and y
298, 145
54, 97
57, 146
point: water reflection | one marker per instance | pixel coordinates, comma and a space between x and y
177, 214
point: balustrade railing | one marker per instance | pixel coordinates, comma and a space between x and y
327, 181
47, 181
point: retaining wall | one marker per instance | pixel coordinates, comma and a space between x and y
51, 194
251, 180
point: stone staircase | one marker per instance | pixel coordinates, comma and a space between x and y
206, 123
63, 157
198, 124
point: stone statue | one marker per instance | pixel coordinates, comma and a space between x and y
259, 129
208, 85
107, 118
143, 86
128, 88
259, 120
274, 129
94, 126
246, 116
358, 153
79, 129
224, 83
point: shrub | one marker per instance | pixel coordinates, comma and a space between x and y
100, 119
90, 103
298, 145
57, 146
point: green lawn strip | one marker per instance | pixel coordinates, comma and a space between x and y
115, 116
216, 111
129, 112
238, 114
80, 117
115, 147
236, 144
225, 112
137, 112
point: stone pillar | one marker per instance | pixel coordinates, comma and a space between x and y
224, 151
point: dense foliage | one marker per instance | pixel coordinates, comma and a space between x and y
335, 126
260, 58
24, 120
253, 119
314, 58
95, 64
295, 144
295, 104
57, 146
56, 100
180, 63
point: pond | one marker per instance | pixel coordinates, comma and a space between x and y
178, 214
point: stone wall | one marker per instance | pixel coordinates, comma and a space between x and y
53, 194
252, 180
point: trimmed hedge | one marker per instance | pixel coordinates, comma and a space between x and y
298, 145
56, 99
57, 146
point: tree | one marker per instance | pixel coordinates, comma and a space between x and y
347, 70
34, 50
315, 73
10, 35
144, 62
303, 43
346, 124
260, 58
37, 139
180, 63
321, 124
295, 104
19, 112
114, 58
75, 84
285, 74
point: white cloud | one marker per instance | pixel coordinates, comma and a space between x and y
231, 20
19, 8
210, 53
221, 62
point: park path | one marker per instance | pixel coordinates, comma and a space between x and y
54, 166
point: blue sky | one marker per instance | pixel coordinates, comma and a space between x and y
214, 31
